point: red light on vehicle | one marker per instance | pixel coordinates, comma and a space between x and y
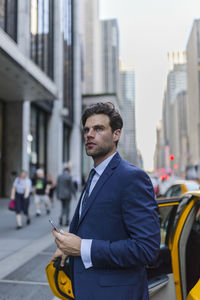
171, 157
164, 177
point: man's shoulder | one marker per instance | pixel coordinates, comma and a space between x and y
126, 169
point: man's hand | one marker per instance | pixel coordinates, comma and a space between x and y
68, 243
57, 254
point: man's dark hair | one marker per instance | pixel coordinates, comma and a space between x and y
108, 109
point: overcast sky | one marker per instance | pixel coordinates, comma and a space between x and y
149, 29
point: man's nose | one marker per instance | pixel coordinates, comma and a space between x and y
90, 132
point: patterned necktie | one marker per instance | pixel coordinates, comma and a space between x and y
87, 188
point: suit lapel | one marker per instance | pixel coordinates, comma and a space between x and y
103, 178
75, 218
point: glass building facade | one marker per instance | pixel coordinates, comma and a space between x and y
1, 145
38, 131
8, 17
68, 57
66, 141
42, 34
67, 22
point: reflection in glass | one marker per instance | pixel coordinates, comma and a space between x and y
2, 14
8, 17
164, 214
39, 139
42, 34
66, 139
68, 56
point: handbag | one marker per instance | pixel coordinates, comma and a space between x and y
11, 205
59, 280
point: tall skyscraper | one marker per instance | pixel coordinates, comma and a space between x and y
100, 55
127, 97
91, 47
110, 52
176, 83
193, 98
172, 135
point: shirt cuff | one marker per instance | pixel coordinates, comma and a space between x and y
86, 245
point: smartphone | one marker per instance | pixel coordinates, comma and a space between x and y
54, 226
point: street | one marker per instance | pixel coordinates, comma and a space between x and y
25, 253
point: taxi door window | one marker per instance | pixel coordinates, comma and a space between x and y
176, 191
165, 215
173, 191
169, 192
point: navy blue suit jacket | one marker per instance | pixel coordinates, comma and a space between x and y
121, 217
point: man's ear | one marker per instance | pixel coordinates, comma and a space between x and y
117, 134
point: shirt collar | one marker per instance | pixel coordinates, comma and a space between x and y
101, 167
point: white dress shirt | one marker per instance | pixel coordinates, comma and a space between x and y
86, 244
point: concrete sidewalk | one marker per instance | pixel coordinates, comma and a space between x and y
12, 240
24, 253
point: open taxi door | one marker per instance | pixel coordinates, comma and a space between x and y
195, 292
177, 268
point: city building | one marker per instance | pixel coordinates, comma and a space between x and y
159, 155
176, 82
173, 114
100, 56
181, 129
91, 43
110, 53
193, 97
40, 96
140, 160
127, 99
175, 160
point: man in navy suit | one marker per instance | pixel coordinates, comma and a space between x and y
115, 230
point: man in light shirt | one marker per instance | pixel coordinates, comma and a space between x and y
115, 230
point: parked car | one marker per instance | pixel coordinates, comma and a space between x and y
176, 272
179, 187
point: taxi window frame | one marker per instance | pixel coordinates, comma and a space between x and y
180, 209
174, 202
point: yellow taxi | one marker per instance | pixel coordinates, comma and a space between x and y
175, 275
179, 187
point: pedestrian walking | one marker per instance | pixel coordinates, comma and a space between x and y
41, 188
65, 189
115, 231
21, 192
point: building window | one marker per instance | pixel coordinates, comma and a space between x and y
2, 14
38, 131
42, 34
8, 17
68, 57
66, 139
1, 146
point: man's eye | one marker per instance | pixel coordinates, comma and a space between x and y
85, 130
98, 129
